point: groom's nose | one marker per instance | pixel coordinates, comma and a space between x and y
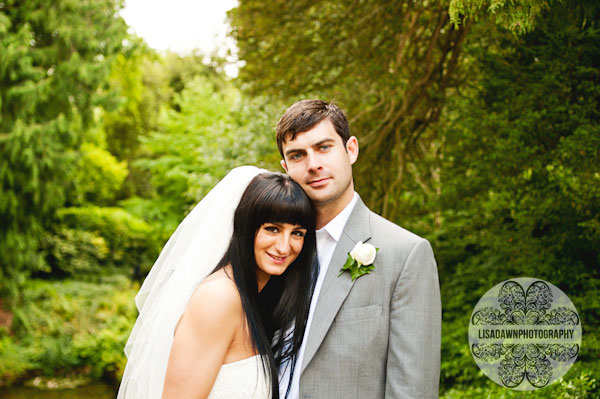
312, 162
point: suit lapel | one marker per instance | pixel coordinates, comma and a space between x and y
335, 289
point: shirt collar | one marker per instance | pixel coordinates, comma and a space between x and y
335, 227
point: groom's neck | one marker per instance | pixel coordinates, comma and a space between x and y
327, 211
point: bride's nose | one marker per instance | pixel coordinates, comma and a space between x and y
282, 245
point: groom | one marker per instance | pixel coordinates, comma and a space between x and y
377, 336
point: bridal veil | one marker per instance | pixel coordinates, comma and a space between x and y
191, 253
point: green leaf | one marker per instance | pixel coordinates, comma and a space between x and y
361, 271
348, 265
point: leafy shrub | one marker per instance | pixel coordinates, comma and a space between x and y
98, 176
12, 362
580, 386
69, 327
108, 237
76, 251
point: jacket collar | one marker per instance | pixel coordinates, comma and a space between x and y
335, 289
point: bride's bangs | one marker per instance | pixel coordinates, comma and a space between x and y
286, 203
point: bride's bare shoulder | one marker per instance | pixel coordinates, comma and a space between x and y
216, 297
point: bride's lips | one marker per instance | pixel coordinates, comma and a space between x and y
319, 182
277, 259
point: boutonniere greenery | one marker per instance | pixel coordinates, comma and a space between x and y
360, 260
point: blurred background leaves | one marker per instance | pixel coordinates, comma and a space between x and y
479, 129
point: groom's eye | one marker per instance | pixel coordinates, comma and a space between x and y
295, 156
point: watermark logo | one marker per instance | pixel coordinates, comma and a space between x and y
525, 333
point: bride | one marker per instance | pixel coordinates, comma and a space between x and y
211, 328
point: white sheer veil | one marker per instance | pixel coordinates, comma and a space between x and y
191, 253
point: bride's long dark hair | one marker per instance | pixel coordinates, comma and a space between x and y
285, 300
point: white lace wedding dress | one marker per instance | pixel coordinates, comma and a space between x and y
244, 379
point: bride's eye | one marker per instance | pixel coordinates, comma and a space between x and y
271, 229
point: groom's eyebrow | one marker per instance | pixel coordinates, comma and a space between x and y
293, 151
301, 150
320, 143
317, 144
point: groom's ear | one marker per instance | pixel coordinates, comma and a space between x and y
352, 149
283, 165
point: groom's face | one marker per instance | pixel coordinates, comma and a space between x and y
320, 162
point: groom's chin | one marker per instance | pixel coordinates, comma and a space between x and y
319, 196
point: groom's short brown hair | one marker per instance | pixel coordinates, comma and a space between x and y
306, 114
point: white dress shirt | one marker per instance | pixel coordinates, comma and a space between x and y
327, 239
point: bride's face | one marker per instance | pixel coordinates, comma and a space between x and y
276, 246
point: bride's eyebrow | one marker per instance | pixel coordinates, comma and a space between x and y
280, 224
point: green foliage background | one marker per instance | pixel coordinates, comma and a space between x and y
479, 129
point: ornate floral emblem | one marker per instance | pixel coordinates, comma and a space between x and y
526, 334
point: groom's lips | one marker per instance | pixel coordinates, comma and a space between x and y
318, 182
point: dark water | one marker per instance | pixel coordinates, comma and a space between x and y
95, 390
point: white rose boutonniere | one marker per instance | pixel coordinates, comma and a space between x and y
360, 260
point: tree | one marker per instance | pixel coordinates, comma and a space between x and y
209, 129
390, 64
54, 59
521, 172
478, 128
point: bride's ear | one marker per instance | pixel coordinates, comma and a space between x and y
283, 165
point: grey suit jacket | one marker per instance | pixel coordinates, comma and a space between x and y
378, 336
